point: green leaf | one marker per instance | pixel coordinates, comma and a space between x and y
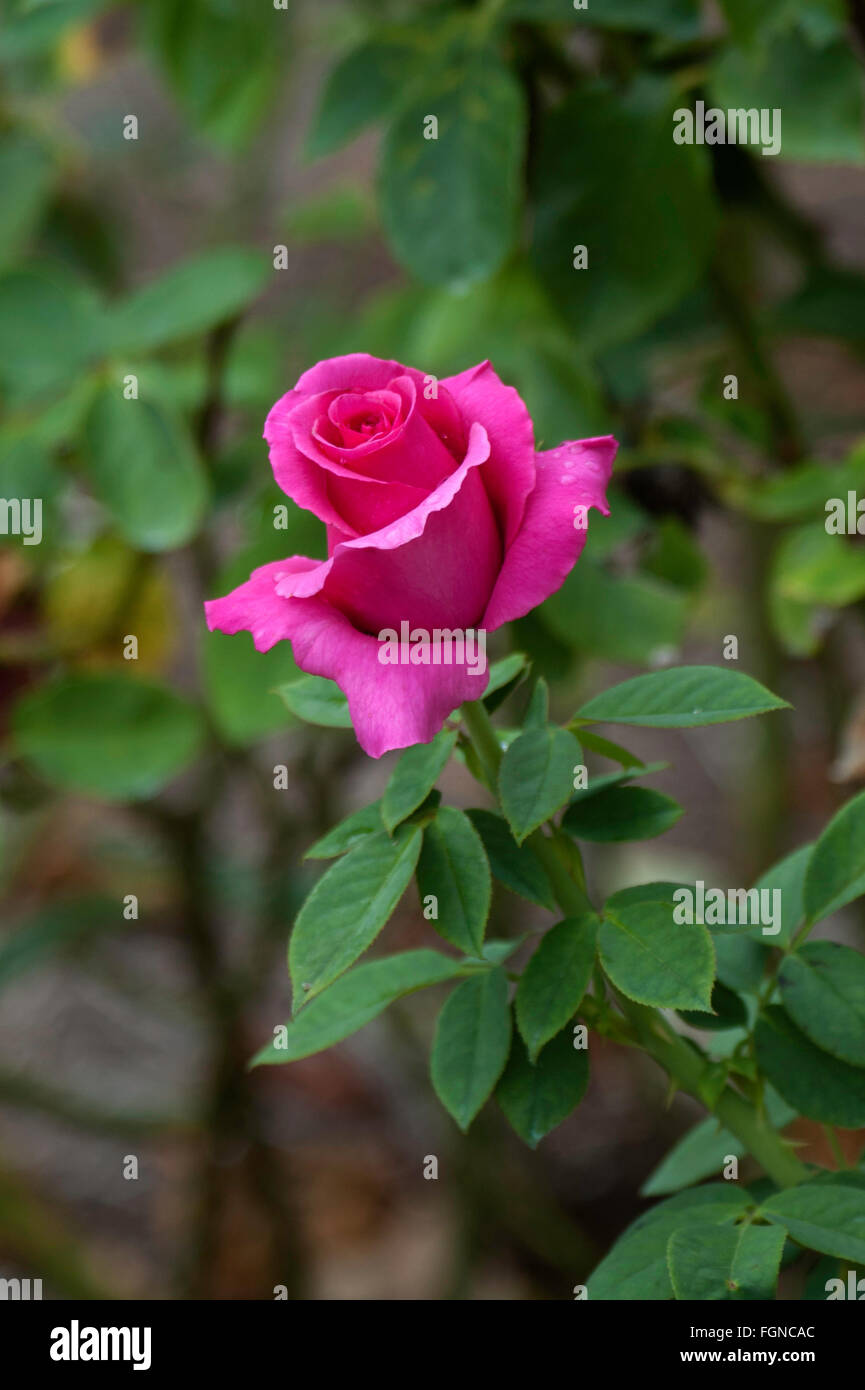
414, 777
699, 1154
348, 833
516, 866
222, 60
728, 1011
829, 303
497, 952
673, 18
788, 878
595, 744
363, 87
504, 671
626, 525
63, 922
340, 213
32, 30
26, 172
538, 1096
741, 962
798, 493
812, 566
661, 892
536, 777
317, 701
449, 204
826, 1215
622, 813
538, 713
348, 907
818, 90
27, 469
157, 497
799, 627
50, 330
816, 1289
240, 686
813, 1082
636, 1267
703, 1151
760, 20
453, 868
471, 1044
836, 869
555, 980
612, 779
811, 571
110, 736
354, 1000
510, 319
675, 556
823, 991
189, 298
655, 961
720, 1263
629, 618
682, 698
630, 280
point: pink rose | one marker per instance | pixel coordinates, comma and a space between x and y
439, 514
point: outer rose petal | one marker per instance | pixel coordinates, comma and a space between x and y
390, 706
444, 578
256, 606
510, 474
434, 567
548, 544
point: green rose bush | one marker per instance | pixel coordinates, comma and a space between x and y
443, 522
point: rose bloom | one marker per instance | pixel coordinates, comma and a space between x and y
439, 513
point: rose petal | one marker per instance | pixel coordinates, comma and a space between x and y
392, 706
411, 456
342, 482
433, 567
443, 578
302, 480
510, 474
354, 371
255, 606
358, 371
362, 417
548, 543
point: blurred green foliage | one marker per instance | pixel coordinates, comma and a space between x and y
132, 399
